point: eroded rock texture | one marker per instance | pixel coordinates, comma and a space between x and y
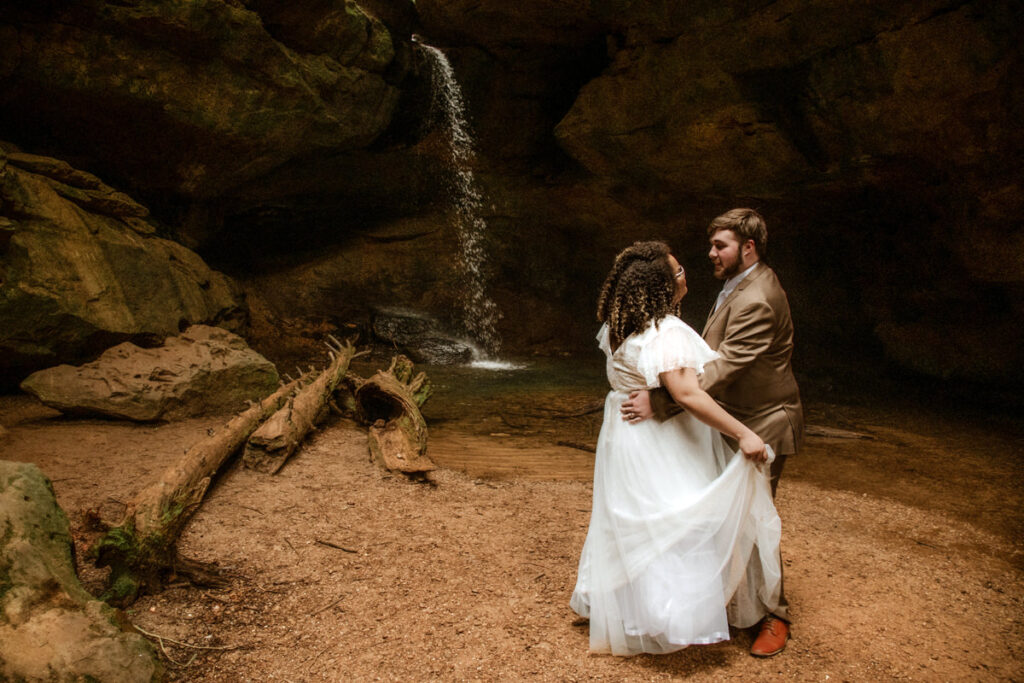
884, 135
879, 139
205, 371
504, 26
194, 97
51, 629
294, 144
80, 270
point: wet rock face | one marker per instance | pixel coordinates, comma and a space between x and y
194, 98
205, 371
421, 337
80, 269
50, 627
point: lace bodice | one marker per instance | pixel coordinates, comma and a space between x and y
638, 361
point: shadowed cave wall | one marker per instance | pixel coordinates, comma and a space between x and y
295, 148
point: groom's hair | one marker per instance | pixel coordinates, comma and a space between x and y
639, 289
746, 224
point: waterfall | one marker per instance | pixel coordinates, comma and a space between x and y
479, 312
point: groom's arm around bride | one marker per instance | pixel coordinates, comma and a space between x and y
752, 330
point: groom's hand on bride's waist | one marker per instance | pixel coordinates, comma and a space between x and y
637, 407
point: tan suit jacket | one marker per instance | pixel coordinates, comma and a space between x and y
753, 380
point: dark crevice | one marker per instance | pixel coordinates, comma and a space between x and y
781, 98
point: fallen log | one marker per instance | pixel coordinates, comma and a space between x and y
344, 400
390, 401
278, 438
140, 550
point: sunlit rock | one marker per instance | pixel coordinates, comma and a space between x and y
80, 269
206, 370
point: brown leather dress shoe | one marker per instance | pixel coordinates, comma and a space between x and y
772, 638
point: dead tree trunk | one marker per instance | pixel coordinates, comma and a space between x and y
277, 438
141, 549
390, 401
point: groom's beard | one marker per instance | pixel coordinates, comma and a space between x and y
729, 271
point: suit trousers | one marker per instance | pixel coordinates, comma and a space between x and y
782, 612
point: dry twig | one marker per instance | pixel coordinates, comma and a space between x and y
577, 446
555, 414
218, 599
160, 639
335, 545
327, 607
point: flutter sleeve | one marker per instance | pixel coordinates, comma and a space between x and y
673, 346
603, 340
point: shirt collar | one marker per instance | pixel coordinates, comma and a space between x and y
731, 283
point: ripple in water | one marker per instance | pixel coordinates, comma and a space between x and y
490, 364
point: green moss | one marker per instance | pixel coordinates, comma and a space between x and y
119, 541
135, 563
123, 587
119, 550
171, 514
423, 393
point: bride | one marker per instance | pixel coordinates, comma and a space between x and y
683, 537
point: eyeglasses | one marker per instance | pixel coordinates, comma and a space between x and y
680, 274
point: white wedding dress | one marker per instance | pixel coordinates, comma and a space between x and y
677, 516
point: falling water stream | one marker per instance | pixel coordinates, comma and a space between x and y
479, 312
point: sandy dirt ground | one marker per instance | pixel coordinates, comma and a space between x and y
902, 550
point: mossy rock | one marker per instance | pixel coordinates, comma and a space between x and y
50, 627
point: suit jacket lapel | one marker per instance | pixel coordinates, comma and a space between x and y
744, 283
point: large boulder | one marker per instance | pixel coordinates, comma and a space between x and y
194, 97
81, 269
206, 370
51, 629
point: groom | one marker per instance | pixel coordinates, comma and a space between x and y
751, 329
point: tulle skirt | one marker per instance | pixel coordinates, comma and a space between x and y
683, 538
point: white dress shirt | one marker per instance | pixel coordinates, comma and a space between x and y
730, 285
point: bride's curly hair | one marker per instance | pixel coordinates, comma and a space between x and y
639, 289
